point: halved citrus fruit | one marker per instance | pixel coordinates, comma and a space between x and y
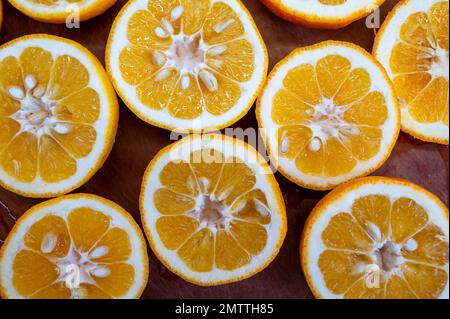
59, 11
377, 237
413, 47
75, 246
58, 115
322, 14
328, 114
187, 65
212, 209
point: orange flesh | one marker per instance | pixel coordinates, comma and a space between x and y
418, 62
53, 243
52, 155
212, 214
409, 250
200, 19
336, 100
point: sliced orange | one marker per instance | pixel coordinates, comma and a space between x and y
377, 238
187, 65
59, 11
75, 246
212, 210
328, 114
322, 14
413, 47
58, 115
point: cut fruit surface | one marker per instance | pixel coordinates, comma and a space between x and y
58, 115
62, 11
212, 209
76, 246
187, 65
377, 238
322, 14
412, 45
328, 114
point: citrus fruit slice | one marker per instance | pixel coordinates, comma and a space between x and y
58, 115
322, 14
413, 47
187, 65
75, 246
212, 210
328, 114
377, 237
59, 11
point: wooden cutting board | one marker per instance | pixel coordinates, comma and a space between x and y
137, 143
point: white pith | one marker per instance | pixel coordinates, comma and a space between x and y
62, 208
32, 105
181, 151
61, 6
314, 245
322, 130
440, 66
315, 8
206, 121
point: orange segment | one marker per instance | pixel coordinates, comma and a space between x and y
119, 280
438, 16
292, 143
19, 159
198, 251
222, 100
427, 282
237, 62
236, 178
194, 15
10, 74
55, 164
156, 91
356, 86
86, 227
373, 213
77, 139
252, 237
162, 9
141, 31
289, 109
55, 291
364, 143
186, 103
408, 86
49, 236
309, 161
116, 244
416, 30
429, 246
307, 89
178, 177
207, 166
407, 218
38, 63
136, 65
171, 203
80, 107
8, 129
332, 71
174, 231
404, 59
93, 292
339, 159
435, 96
398, 288
9, 105
341, 269
252, 207
343, 232
229, 254
361, 290
68, 76
371, 110
222, 24
32, 272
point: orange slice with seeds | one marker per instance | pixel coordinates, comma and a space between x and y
75, 246
187, 65
413, 47
62, 11
322, 14
377, 238
58, 115
212, 210
328, 114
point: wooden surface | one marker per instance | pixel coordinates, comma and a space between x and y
137, 142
